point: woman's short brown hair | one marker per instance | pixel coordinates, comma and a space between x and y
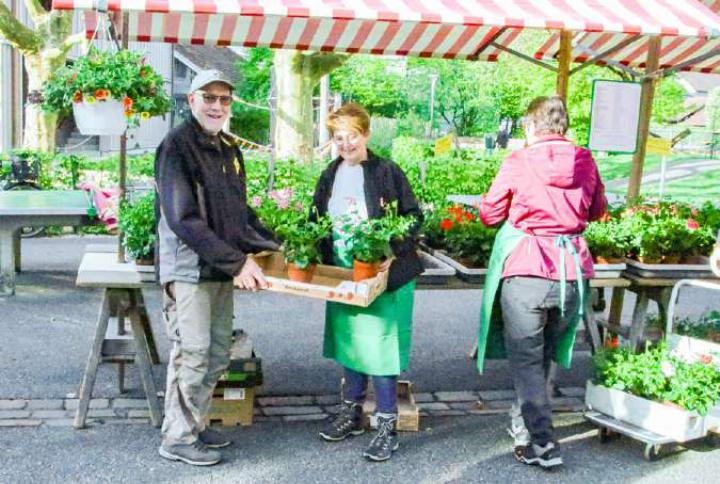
351, 117
549, 115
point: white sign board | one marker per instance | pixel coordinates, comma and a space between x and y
614, 116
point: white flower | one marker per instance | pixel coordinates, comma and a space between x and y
667, 369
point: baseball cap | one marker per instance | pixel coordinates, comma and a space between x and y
203, 78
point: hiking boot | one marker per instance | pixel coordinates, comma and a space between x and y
347, 422
385, 441
547, 456
213, 439
196, 454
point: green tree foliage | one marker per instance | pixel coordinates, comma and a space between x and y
376, 83
251, 116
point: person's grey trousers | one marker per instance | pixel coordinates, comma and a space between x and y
533, 324
199, 321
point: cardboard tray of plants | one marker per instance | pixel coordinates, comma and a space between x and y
328, 282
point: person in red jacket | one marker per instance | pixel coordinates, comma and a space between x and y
546, 194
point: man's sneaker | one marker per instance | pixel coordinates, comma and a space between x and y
196, 454
385, 441
547, 456
213, 439
347, 422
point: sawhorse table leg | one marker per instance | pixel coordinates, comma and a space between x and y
121, 302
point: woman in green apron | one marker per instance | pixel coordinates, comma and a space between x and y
372, 342
545, 194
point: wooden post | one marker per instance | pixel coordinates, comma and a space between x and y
564, 59
122, 182
646, 100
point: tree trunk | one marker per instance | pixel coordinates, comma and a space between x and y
294, 127
45, 48
40, 126
296, 74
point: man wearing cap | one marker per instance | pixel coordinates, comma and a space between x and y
205, 231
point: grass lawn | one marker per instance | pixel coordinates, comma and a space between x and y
614, 167
695, 189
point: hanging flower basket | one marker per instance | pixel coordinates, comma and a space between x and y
107, 92
100, 117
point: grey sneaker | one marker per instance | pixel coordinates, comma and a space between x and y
385, 441
547, 456
347, 422
213, 439
196, 454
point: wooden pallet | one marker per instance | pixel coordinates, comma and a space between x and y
408, 412
232, 406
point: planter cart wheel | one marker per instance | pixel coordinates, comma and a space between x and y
652, 452
606, 435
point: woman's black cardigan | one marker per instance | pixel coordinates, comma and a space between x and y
384, 180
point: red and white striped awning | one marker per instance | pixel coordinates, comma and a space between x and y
673, 51
427, 28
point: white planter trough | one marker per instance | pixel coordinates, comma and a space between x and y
100, 117
665, 420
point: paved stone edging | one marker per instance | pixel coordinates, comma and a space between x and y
60, 412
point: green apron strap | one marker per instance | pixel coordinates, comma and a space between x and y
565, 243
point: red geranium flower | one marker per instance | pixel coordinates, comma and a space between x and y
692, 224
77, 97
101, 94
127, 103
446, 224
469, 216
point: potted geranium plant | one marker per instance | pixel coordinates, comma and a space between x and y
369, 239
288, 215
106, 91
137, 223
462, 240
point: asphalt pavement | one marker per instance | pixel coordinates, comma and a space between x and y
45, 336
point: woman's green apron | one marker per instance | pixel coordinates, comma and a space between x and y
373, 340
491, 343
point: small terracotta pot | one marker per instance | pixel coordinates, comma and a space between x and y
300, 275
649, 260
145, 262
364, 270
601, 259
694, 259
671, 259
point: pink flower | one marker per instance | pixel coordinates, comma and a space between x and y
299, 206
283, 203
692, 224
256, 201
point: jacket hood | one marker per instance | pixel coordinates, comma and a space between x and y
557, 161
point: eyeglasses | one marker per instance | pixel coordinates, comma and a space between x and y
210, 99
350, 139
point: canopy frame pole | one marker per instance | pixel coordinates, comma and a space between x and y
562, 81
695, 60
487, 44
635, 74
524, 56
123, 19
602, 55
646, 99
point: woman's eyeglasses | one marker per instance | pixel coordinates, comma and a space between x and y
346, 140
210, 99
